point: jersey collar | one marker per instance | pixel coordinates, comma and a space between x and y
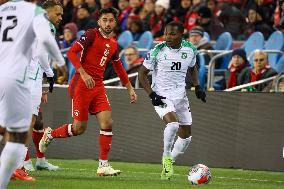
104, 36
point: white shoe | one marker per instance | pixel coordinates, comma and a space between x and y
42, 164
45, 140
107, 170
28, 165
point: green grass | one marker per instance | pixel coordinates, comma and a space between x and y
80, 174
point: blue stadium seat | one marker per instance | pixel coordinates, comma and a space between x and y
279, 67
255, 41
274, 42
79, 33
201, 71
207, 36
145, 42
125, 39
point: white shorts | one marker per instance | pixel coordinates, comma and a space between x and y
15, 105
36, 93
179, 106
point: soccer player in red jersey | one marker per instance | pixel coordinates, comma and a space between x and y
87, 91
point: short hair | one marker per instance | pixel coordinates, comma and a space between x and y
177, 24
134, 48
261, 52
51, 3
109, 10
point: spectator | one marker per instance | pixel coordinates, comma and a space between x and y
69, 37
132, 58
76, 4
232, 20
148, 9
156, 21
261, 70
124, 11
106, 4
213, 6
84, 21
210, 24
237, 64
255, 23
178, 13
93, 9
277, 85
192, 15
136, 28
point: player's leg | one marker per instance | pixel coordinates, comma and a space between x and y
64, 131
80, 103
41, 162
105, 140
184, 132
167, 113
15, 108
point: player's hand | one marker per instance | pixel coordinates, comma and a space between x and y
200, 94
132, 95
157, 99
89, 82
44, 97
50, 80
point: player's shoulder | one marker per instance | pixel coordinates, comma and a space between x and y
188, 45
158, 48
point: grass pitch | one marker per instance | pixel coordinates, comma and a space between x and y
81, 174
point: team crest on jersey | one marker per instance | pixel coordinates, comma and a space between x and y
183, 55
83, 38
107, 45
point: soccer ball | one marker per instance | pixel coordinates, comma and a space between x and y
199, 174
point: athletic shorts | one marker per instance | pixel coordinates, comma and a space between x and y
15, 105
179, 106
85, 101
36, 93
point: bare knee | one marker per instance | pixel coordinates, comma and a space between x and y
184, 131
106, 124
79, 128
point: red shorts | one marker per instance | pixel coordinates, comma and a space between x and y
85, 101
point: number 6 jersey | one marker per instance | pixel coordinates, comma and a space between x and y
169, 68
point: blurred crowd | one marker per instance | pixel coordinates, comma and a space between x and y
239, 17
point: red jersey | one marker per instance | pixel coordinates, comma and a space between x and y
96, 51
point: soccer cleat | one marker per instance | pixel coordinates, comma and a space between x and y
107, 170
21, 174
44, 165
45, 140
28, 165
168, 169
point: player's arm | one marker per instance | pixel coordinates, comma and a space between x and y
46, 41
120, 71
82, 44
199, 92
142, 76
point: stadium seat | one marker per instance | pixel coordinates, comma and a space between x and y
125, 39
201, 71
255, 41
274, 42
207, 36
145, 43
279, 67
79, 33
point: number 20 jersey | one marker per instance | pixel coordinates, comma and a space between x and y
169, 67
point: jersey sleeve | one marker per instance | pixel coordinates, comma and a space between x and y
149, 61
46, 41
44, 64
119, 69
82, 44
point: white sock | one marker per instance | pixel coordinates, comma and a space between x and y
180, 146
11, 156
22, 160
169, 136
102, 162
40, 160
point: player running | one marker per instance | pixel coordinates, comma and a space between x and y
37, 66
21, 24
170, 61
87, 91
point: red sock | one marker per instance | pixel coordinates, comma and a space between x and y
63, 131
105, 141
27, 155
37, 135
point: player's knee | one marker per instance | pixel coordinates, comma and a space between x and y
78, 130
184, 131
107, 124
